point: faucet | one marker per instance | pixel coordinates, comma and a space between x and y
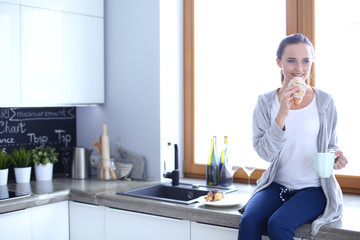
174, 175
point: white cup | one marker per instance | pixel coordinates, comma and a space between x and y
324, 164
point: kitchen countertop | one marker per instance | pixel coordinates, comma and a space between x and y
103, 193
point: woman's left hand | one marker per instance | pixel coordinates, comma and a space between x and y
340, 161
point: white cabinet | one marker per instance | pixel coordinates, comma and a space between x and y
51, 52
16, 225
62, 58
38, 223
10, 1
86, 221
9, 54
205, 231
87, 7
50, 221
121, 224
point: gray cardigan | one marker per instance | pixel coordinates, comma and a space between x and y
268, 139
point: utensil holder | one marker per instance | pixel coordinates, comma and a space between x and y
101, 171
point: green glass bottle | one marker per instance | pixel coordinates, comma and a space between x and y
223, 156
227, 171
212, 167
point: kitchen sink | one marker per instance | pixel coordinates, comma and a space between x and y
182, 193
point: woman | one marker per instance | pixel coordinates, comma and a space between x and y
289, 193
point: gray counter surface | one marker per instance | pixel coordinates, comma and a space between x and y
103, 193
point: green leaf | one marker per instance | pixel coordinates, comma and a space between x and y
44, 155
21, 158
4, 160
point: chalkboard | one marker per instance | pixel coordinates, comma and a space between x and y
32, 127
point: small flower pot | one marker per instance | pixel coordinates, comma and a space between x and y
4, 176
22, 175
44, 172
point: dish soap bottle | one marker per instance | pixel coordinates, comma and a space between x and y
212, 166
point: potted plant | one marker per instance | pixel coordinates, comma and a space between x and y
4, 167
21, 159
44, 159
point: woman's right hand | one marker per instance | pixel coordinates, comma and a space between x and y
286, 99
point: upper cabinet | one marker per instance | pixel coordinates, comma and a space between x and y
61, 53
86, 7
9, 54
62, 57
10, 1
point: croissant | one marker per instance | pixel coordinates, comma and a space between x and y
298, 95
297, 101
214, 195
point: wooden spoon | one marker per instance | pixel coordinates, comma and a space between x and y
97, 146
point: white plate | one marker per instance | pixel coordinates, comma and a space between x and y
228, 201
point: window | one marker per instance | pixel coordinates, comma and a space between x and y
234, 64
235, 44
337, 63
229, 48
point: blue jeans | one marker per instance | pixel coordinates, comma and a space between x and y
277, 212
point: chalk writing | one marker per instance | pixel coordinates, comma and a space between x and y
63, 137
27, 114
5, 113
32, 127
42, 140
7, 140
5, 127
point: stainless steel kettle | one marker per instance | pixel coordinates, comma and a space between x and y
81, 163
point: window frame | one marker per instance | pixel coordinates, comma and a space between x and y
300, 17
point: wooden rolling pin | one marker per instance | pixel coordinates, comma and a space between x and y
105, 154
105, 151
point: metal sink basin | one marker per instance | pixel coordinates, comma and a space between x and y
182, 193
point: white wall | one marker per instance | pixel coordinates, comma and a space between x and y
171, 80
134, 80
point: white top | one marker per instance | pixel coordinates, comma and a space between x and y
296, 167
